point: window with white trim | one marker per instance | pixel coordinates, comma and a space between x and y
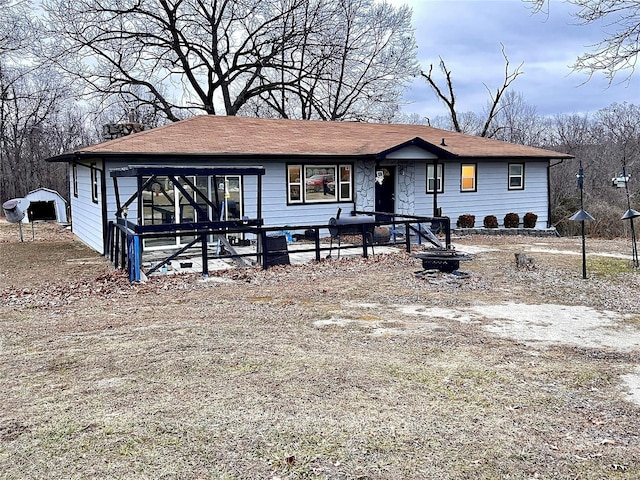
94, 183
468, 180
294, 184
319, 183
516, 176
345, 182
74, 177
437, 179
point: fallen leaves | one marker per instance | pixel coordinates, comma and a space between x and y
235, 371
52, 295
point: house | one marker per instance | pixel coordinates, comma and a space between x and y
311, 169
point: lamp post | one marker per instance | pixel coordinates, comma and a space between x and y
582, 216
630, 214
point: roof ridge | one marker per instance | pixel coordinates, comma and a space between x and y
250, 136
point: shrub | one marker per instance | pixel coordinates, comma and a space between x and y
466, 221
529, 220
490, 221
511, 220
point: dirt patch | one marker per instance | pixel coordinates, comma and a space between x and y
341, 369
560, 325
537, 326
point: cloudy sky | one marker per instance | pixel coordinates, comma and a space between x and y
467, 34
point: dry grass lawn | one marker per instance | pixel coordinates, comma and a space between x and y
312, 371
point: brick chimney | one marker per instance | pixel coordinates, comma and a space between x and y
111, 131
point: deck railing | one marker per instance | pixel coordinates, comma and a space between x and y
125, 240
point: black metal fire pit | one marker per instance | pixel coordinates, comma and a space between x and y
445, 260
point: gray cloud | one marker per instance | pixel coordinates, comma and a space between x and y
467, 34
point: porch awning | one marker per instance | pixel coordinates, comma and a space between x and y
148, 170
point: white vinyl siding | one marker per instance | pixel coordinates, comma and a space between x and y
275, 211
492, 196
86, 217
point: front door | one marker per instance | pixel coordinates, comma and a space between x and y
385, 192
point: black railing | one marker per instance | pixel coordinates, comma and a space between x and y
126, 253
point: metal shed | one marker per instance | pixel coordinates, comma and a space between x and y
45, 205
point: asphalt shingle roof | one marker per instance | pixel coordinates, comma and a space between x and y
221, 135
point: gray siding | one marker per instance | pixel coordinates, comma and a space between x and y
275, 211
86, 216
492, 196
410, 152
127, 186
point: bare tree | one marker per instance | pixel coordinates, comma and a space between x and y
621, 125
16, 26
517, 121
368, 55
30, 118
619, 130
601, 141
126, 107
353, 62
619, 50
34, 112
302, 58
468, 122
184, 55
448, 96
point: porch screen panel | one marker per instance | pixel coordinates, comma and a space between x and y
230, 191
159, 207
202, 183
188, 213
